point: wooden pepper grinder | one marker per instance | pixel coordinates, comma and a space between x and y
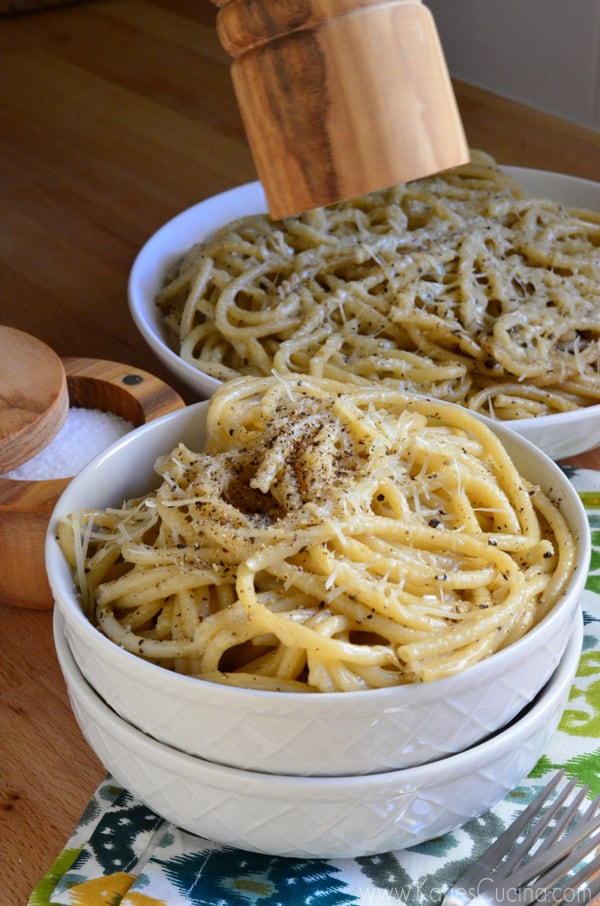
340, 97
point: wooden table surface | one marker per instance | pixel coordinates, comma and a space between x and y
114, 116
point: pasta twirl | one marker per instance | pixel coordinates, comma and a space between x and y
458, 286
331, 537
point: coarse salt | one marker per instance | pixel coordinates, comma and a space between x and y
84, 433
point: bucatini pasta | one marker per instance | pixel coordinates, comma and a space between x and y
458, 286
330, 537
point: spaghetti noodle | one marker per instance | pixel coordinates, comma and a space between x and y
458, 286
329, 538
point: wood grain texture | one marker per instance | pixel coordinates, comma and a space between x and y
134, 394
340, 98
48, 770
25, 506
245, 24
33, 397
116, 115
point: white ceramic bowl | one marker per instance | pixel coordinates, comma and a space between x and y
291, 733
319, 817
560, 435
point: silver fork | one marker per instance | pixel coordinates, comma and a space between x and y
509, 872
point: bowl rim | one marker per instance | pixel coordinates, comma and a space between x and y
140, 305
554, 420
412, 778
66, 599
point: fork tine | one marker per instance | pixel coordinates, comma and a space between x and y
534, 893
560, 893
562, 868
472, 876
593, 890
566, 818
545, 861
542, 822
592, 808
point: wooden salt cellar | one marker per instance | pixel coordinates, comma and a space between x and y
33, 400
340, 97
32, 411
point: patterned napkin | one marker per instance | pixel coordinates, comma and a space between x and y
122, 854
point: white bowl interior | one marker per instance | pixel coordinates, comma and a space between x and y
162, 250
560, 435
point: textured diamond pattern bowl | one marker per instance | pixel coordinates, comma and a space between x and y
335, 817
289, 733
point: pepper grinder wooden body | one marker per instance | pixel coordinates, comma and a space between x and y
340, 97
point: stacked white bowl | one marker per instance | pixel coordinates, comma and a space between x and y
323, 775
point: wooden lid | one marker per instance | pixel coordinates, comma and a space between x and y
34, 398
340, 97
